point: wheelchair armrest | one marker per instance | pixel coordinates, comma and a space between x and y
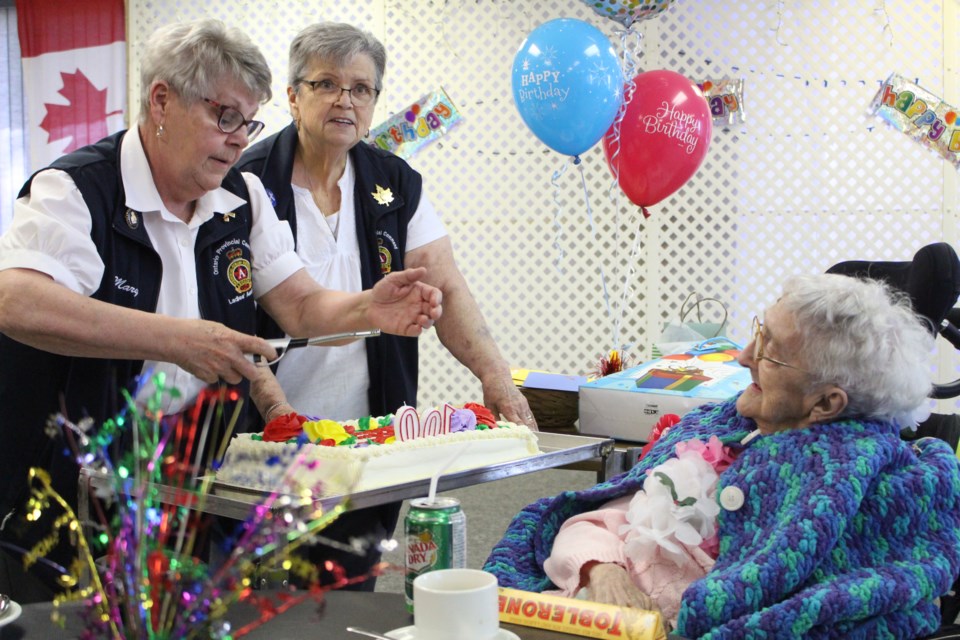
946, 391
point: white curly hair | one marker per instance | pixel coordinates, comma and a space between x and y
864, 337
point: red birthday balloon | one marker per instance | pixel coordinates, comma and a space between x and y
661, 140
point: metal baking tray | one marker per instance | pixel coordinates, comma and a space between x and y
232, 501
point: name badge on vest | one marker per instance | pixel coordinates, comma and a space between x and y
387, 248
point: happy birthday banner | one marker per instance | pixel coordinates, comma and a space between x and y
725, 97
426, 120
921, 115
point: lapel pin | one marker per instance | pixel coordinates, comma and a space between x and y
133, 220
382, 196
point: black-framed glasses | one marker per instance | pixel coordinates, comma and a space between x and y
230, 119
360, 94
756, 336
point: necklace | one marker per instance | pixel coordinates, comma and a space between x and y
333, 226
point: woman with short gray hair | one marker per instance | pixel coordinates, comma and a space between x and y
357, 213
148, 254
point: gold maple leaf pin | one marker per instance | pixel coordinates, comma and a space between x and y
382, 196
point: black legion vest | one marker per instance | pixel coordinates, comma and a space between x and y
386, 195
35, 384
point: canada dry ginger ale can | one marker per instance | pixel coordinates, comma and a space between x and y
435, 535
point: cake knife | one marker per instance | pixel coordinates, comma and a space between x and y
283, 345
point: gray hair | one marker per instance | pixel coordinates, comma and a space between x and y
866, 339
334, 42
194, 56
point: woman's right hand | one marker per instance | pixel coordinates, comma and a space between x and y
213, 352
611, 584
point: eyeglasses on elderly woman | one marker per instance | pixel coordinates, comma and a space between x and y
361, 95
756, 336
230, 120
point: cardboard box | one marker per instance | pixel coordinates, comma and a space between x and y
627, 405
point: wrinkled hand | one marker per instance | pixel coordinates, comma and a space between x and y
213, 352
503, 398
610, 583
404, 306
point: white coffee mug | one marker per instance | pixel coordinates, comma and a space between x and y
456, 603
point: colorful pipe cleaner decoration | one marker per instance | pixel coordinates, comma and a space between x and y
138, 575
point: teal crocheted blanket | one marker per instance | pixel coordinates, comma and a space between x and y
846, 531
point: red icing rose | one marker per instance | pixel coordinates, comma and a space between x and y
283, 428
484, 415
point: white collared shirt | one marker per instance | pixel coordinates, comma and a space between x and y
51, 234
332, 382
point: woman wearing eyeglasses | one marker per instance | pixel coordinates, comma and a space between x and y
146, 252
360, 213
792, 510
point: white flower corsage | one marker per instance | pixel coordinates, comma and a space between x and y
677, 506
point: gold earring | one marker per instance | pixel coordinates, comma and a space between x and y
160, 130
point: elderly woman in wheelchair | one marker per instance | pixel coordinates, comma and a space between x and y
792, 510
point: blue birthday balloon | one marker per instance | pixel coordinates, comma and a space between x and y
567, 84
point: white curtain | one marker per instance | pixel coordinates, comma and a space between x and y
14, 158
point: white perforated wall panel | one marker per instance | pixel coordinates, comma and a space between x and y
809, 179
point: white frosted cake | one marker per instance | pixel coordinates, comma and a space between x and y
328, 458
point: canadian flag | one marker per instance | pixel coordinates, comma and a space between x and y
74, 73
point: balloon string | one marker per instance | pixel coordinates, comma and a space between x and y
586, 198
630, 53
634, 250
557, 212
593, 233
630, 44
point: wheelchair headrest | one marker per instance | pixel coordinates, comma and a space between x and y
931, 279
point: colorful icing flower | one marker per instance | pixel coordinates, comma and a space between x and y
283, 428
463, 420
484, 415
326, 430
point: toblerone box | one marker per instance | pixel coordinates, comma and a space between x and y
579, 617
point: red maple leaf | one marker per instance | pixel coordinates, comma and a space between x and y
84, 119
